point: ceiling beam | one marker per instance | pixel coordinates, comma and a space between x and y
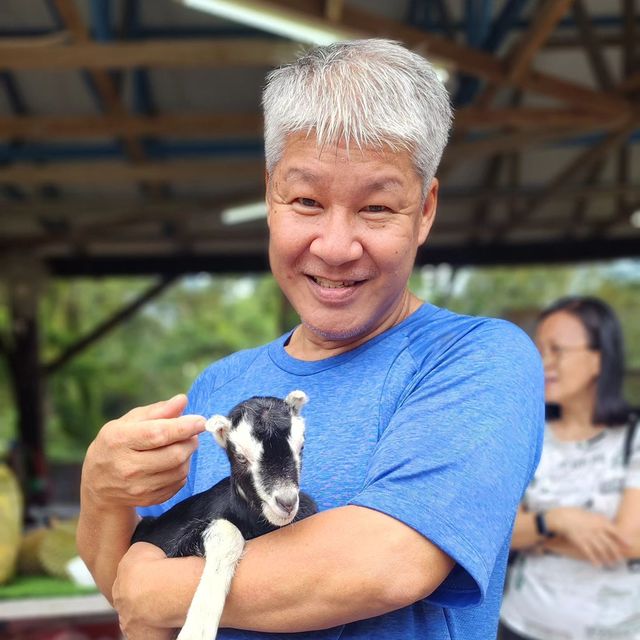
109, 173
210, 54
128, 210
102, 81
543, 25
476, 62
225, 125
185, 124
592, 46
580, 165
100, 172
491, 254
266, 53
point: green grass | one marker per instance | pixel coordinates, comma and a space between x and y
41, 587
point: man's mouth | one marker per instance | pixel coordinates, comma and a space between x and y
333, 284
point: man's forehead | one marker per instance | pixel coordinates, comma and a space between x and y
384, 181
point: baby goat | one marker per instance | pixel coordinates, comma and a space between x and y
263, 438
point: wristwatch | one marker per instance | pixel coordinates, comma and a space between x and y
541, 525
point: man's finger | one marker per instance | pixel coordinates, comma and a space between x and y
170, 408
154, 434
166, 459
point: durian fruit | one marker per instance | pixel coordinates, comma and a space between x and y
11, 519
29, 563
58, 548
48, 550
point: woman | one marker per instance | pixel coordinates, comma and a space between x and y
577, 532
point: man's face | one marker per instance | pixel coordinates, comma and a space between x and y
344, 231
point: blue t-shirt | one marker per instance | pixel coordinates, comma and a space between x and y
436, 422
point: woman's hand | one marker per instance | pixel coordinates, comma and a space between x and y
596, 538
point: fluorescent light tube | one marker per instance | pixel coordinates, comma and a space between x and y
275, 19
244, 213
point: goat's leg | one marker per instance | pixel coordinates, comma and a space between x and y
223, 545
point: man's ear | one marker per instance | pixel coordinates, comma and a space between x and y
219, 426
267, 194
428, 212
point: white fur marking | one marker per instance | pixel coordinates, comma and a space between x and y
245, 443
296, 437
296, 400
223, 546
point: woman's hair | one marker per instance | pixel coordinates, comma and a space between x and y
604, 334
372, 93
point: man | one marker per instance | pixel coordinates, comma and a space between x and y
423, 427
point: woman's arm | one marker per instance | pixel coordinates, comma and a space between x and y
338, 566
525, 533
628, 521
585, 535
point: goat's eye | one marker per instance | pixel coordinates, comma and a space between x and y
241, 459
301, 449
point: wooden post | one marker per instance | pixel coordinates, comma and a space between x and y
23, 353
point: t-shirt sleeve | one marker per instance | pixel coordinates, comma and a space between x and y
456, 457
632, 478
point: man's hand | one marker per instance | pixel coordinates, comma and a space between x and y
152, 593
142, 458
139, 459
128, 593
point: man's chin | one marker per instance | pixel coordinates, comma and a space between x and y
333, 333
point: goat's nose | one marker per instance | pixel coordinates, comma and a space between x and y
287, 502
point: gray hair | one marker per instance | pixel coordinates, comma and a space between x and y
373, 92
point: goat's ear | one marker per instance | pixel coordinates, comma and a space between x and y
296, 400
219, 426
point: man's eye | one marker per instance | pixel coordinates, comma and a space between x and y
308, 202
376, 208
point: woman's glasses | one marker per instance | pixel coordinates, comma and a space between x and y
558, 351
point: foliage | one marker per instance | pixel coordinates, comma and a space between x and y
159, 351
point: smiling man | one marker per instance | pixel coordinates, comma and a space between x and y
423, 426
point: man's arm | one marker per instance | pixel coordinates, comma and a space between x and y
139, 459
338, 566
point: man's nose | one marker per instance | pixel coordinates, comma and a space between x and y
336, 241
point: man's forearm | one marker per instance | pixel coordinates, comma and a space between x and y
103, 537
336, 567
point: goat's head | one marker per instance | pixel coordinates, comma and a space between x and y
264, 437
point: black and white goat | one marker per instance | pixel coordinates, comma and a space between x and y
263, 438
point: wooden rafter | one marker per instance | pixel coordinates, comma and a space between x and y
209, 54
266, 53
544, 22
112, 172
236, 125
125, 209
578, 166
479, 63
103, 82
592, 46
194, 171
582, 204
482, 208
184, 124
333, 10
